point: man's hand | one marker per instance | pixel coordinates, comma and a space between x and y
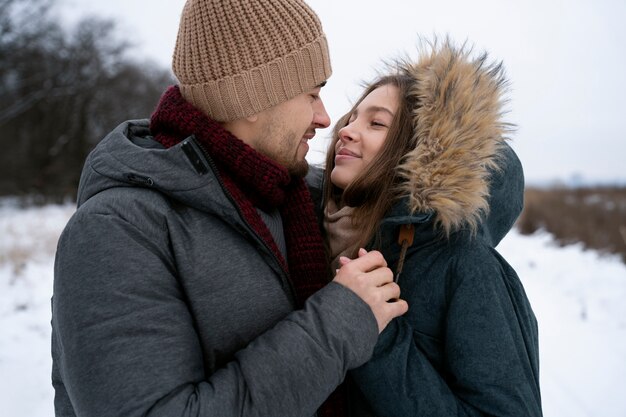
369, 277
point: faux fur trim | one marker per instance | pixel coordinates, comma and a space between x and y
458, 130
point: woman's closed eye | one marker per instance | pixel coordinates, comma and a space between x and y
378, 123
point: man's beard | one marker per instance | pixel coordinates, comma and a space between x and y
286, 156
295, 167
299, 169
284, 153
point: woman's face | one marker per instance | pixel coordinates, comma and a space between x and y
364, 135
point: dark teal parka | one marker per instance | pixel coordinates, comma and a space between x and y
468, 346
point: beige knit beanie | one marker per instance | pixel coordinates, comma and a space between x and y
236, 58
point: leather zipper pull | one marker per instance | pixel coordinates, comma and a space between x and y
405, 239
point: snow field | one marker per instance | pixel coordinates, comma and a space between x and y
579, 298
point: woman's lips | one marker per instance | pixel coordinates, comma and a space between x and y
345, 154
348, 152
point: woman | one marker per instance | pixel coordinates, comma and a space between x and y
419, 170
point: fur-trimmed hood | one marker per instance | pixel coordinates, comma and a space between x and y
459, 136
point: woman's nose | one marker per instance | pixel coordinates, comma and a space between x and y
348, 133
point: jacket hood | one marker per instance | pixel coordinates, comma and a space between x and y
129, 157
460, 169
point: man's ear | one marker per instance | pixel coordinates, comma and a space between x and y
246, 129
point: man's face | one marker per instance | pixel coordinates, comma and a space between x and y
286, 128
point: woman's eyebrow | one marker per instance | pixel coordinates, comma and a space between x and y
375, 109
372, 109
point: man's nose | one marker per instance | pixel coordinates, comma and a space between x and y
321, 119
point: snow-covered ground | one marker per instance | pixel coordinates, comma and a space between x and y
579, 298
27, 244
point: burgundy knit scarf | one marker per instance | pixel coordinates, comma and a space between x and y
253, 180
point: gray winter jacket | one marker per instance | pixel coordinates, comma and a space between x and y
166, 303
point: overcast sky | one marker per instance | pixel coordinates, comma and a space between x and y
566, 61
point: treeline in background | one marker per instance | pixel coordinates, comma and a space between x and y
62, 90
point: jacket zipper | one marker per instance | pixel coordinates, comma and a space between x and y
250, 229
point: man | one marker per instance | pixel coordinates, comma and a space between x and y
191, 280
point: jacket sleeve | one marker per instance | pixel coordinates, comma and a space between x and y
124, 342
489, 354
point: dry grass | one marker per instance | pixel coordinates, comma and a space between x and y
30, 235
594, 216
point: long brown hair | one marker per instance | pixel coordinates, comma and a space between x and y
374, 191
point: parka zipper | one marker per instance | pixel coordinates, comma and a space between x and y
238, 210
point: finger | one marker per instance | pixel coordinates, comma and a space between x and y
368, 262
362, 252
343, 260
397, 308
390, 291
377, 278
